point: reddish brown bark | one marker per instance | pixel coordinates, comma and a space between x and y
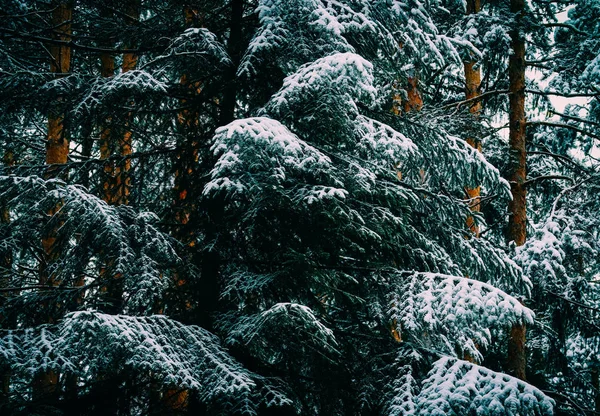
176, 400
57, 151
414, 101
57, 147
517, 360
472, 90
117, 142
187, 157
517, 207
117, 182
517, 232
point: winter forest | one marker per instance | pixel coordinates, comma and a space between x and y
300, 207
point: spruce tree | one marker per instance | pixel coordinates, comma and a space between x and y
250, 216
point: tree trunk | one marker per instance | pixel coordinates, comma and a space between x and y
6, 262
187, 157
107, 70
57, 146
596, 385
176, 400
117, 183
517, 224
114, 142
472, 90
57, 151
414, 102
234, 48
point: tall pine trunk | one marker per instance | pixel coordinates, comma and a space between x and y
57, 151
472, 91
116, 147
6, 262
234, 48
187, 156
517, 232
176, 400
413, 102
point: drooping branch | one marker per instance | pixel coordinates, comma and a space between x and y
548, 177
564, 126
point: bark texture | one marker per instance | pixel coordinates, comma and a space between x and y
6, 262
517, 207
517, 232
57, 147
414, 101
472, 90
57, 151
176, 400
117, 145
187, 156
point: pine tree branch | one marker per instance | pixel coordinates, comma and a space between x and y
563, 125
563, 94
574, 302
561, 158
11, 33
569, 117
581, 410
565, 25
548, 177
474, 99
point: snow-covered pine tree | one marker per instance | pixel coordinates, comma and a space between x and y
322, 283
319, 221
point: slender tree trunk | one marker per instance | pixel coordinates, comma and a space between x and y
234, 48
517, 232
6, 261
113, 142
596, 385
414, 102
57, 146
116, 141
107, 70
187, 157
176, 400
123, 167
472, 90
57, 151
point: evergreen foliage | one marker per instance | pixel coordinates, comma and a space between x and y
292, 234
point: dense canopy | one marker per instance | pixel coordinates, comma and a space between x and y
334, 207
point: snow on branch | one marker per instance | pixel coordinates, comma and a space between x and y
109, 91
262, 149
381, 143
452, 313
299, 318
300, 30
197, 48
87, 226
177, 356
456, 387
344, 76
